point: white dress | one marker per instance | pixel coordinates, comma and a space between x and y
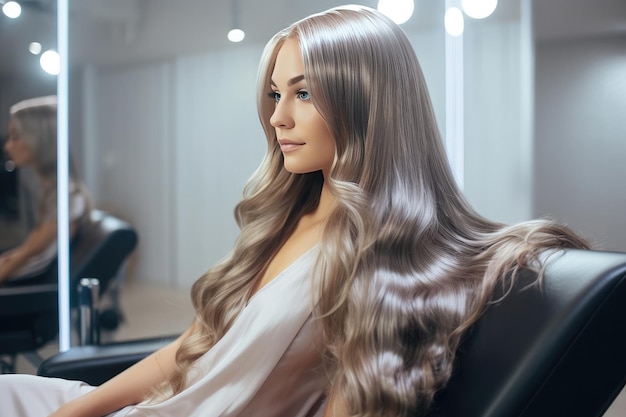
267, 364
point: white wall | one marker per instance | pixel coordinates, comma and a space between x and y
580, 167
132, 173
497, 161
218, 143
171, 146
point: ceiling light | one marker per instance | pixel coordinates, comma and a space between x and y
12, 9
453, 21
479, 9
397, 10
34, 48
50, 62
236, 35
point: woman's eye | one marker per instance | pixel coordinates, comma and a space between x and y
303, 95
274, 95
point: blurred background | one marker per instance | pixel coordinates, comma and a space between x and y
164, 130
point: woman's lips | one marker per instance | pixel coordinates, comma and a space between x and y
287, 145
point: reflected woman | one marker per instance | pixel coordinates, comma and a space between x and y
32, 141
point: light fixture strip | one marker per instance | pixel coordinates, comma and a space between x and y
63, 179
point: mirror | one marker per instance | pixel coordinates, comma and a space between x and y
21, 77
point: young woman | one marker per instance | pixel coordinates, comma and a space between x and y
359, 262
32, 141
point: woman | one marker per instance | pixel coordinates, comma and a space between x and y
32, 141
359, 262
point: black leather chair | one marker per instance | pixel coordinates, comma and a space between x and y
29, 309
558, 350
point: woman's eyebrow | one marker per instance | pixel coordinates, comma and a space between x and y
291, 81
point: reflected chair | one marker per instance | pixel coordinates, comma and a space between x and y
29, 309
554, 350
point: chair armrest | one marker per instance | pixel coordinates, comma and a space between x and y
16, 300
96, 364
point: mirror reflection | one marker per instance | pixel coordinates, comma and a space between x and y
21, 77
27, 181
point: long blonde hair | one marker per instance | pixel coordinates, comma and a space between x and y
405, 265
36, 121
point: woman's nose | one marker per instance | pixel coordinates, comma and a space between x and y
281, 116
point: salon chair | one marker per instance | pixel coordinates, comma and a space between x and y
555, 350
29, 308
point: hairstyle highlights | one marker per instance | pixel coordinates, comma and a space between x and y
405, 264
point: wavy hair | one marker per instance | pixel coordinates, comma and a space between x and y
406, 265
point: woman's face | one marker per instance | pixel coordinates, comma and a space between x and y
304, 137
16, 146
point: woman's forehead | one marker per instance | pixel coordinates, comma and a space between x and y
289, 62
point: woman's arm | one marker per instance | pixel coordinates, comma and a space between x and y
39, 239
129, 387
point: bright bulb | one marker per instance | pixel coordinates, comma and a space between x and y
12, 9
50, 62
453, 21
397, 10
34, 48
479, 9
236, 35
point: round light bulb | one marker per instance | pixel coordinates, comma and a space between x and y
236, 35
479, 9
34, 48
453, 21
399, 11
50, 62
12, 9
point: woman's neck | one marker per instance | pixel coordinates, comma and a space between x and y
325, 206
